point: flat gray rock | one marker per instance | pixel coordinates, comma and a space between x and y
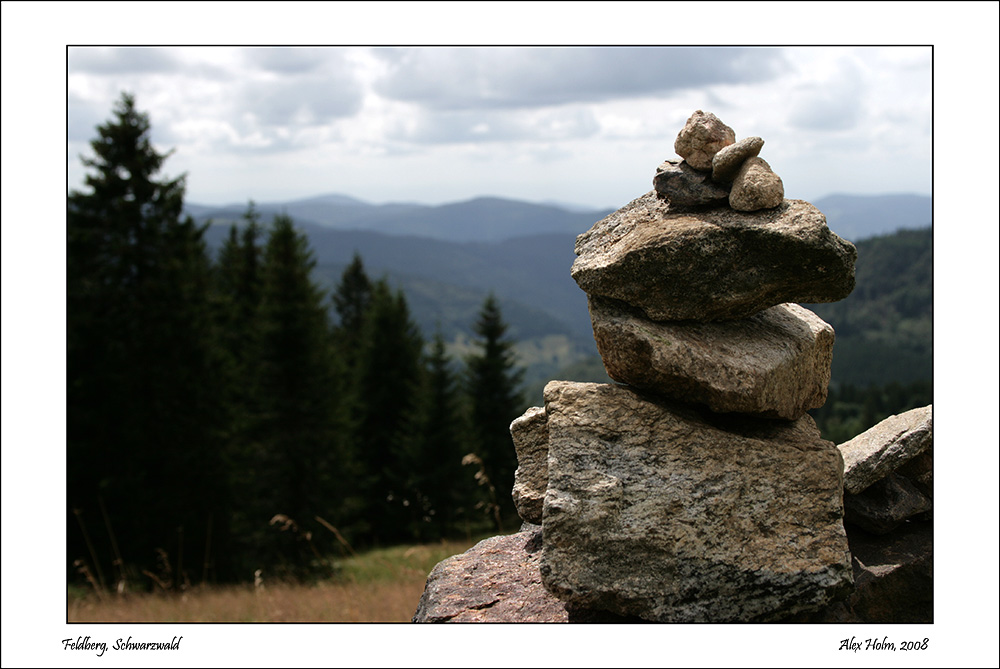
683, 186
530, 434
675, 515
775, 363
876, 453
717, 264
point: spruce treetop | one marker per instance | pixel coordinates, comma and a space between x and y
124, 166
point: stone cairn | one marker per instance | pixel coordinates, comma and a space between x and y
697, 488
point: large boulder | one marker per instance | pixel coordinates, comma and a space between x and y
716, 264
530, 434
775, 363
672, 514
876, 453
498, 581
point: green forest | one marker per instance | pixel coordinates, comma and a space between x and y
226, 416
883, 355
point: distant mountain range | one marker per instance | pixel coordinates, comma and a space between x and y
493, 219
448, 258
856, 217
483, 219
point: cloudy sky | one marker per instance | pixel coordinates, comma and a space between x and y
585, 125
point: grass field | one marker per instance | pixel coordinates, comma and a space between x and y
378, 586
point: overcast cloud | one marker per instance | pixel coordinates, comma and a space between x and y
586, 125
483, 78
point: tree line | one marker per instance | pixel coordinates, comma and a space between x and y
225, 415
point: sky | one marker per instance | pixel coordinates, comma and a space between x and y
437, 125
580, 125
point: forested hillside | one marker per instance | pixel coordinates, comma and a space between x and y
227, 414
883, 355
884, 327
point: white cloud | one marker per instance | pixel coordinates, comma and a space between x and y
489, 125
505, 77
343, 110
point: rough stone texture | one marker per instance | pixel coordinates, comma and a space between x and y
498, 580
872, 455
531, 442
775, 363
893, 579
677, 515
713, 265
683, 186
729, 159
920, 472
701, 138
885, 505
756, 187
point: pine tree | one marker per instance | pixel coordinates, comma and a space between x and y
238, 292
297, 427
442, 492
351, 300
386, 378
142, 364
493, 386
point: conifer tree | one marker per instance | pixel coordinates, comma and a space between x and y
351, 300
238, 293
493, 387
142, 364
442, 492
298, 423
386, 378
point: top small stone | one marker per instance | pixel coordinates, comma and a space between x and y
701, 138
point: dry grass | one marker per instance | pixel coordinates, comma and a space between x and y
379, 586
327, 602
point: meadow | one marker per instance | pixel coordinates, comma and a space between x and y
382, 585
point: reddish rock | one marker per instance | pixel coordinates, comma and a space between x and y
498, 581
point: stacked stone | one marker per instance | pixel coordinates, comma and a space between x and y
716, 169
699, 490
